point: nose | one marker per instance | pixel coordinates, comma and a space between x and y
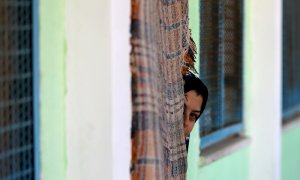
186, 120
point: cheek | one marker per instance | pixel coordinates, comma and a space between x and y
189, 129
192, 125
189, 126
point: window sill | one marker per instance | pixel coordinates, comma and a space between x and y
290, 123
222, 149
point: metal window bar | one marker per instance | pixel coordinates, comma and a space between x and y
291, 61
17, 148
36, 85
221, 68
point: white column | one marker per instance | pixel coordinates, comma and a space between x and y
121, 92
263, 87
89, 89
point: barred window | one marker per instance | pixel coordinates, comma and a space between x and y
16, 90
221, 68
291, 59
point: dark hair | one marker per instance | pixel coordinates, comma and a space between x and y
191, 82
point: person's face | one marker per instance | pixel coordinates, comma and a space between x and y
192, 107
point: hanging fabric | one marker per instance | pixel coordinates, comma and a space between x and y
161, 51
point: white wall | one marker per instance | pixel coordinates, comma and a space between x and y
121, 116
263, 87
98, 89
89, 89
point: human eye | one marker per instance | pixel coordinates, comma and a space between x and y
193, 117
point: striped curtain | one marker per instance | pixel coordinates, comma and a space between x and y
159, 40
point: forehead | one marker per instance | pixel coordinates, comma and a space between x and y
193, 100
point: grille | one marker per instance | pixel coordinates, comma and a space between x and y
16, 90
291, 58
221, 62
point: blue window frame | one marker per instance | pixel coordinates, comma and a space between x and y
18, 90
291, 59
221, 68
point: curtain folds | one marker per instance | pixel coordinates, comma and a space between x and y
159, 40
